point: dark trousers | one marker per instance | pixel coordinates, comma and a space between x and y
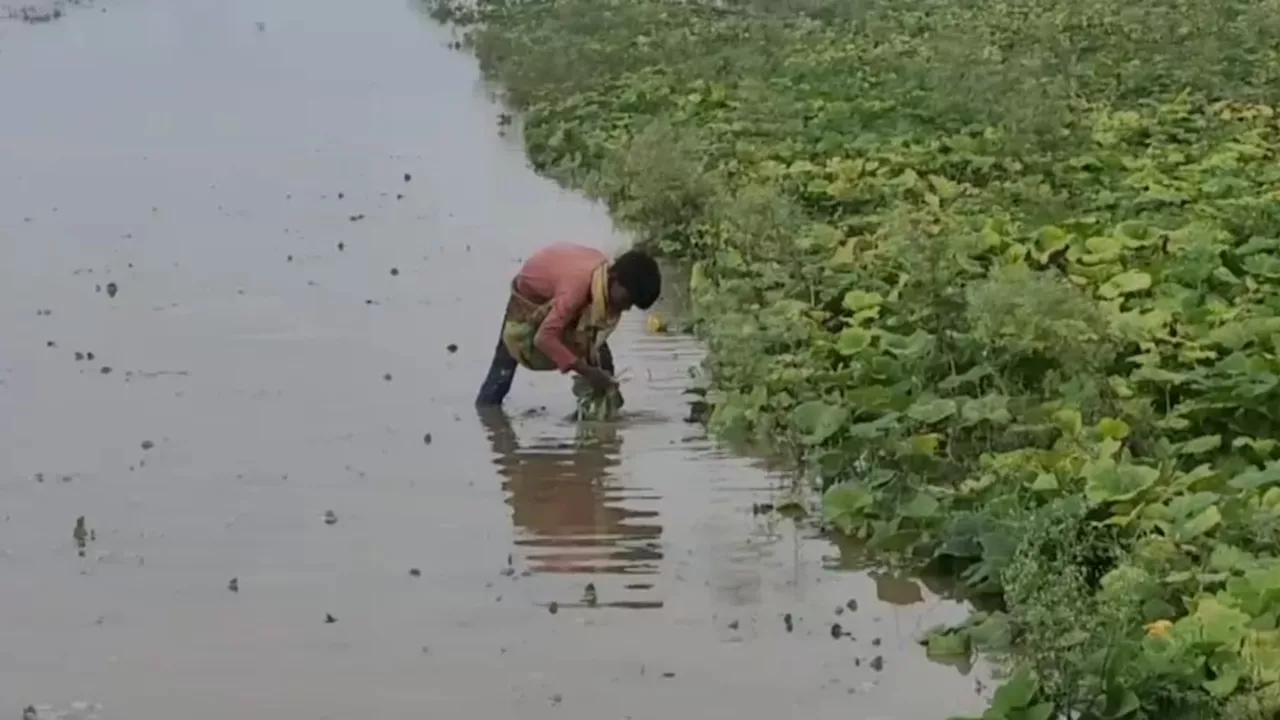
502, 370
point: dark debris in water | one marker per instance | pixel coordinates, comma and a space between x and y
357, 217
33, 15
877, 663
426, 439
112, 289
415, 572
395, 272
554, 607
147, 444
81, 535
329, 619
837, 632
789, 622
330, 517
387, 377
407, 177
234, 585
452, 347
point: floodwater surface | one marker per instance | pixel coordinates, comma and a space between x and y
253, 255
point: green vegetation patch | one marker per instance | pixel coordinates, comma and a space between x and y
1003, 276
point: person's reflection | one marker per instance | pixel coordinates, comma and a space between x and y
569, 508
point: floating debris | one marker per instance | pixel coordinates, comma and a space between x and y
733, 625
452, 347
668, 675
81, 535
837, 632
330, 517
147, 444
341, 195
387, 377
329, 619
554, 607
262, 27
875, 642
79, 356
357, 217
106, 370
788, 622
407, 177
341, 247
877, 663
234, 585
589, 595
395, 272
29, 713
415, 572
112, 289
426, 439
852, 605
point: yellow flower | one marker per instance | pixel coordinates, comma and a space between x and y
1159, 629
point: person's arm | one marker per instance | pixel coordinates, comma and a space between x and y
566, 305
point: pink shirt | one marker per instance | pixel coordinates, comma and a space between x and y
560, 273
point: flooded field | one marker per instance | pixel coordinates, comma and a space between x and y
253, 263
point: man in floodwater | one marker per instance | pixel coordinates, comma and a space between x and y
564, 303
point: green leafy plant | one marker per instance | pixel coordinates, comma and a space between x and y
1001, 278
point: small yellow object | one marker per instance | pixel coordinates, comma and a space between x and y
655, 324
1159, 629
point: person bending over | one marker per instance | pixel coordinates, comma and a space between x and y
564, 303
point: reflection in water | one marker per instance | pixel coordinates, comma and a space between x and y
568, 509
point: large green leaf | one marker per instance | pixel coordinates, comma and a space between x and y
858, 300
853, 340
1109, 481
1202, 444
932, 411
817, 420
1126, 283
923, 505
1017, 692
992, 408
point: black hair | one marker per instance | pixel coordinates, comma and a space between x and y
636, 271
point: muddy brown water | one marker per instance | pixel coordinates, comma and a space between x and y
206, 158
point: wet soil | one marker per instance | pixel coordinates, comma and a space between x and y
244, 518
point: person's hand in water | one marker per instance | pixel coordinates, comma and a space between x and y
600, 379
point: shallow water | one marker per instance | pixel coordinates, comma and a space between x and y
204, 160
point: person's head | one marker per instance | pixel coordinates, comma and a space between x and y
634, 279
